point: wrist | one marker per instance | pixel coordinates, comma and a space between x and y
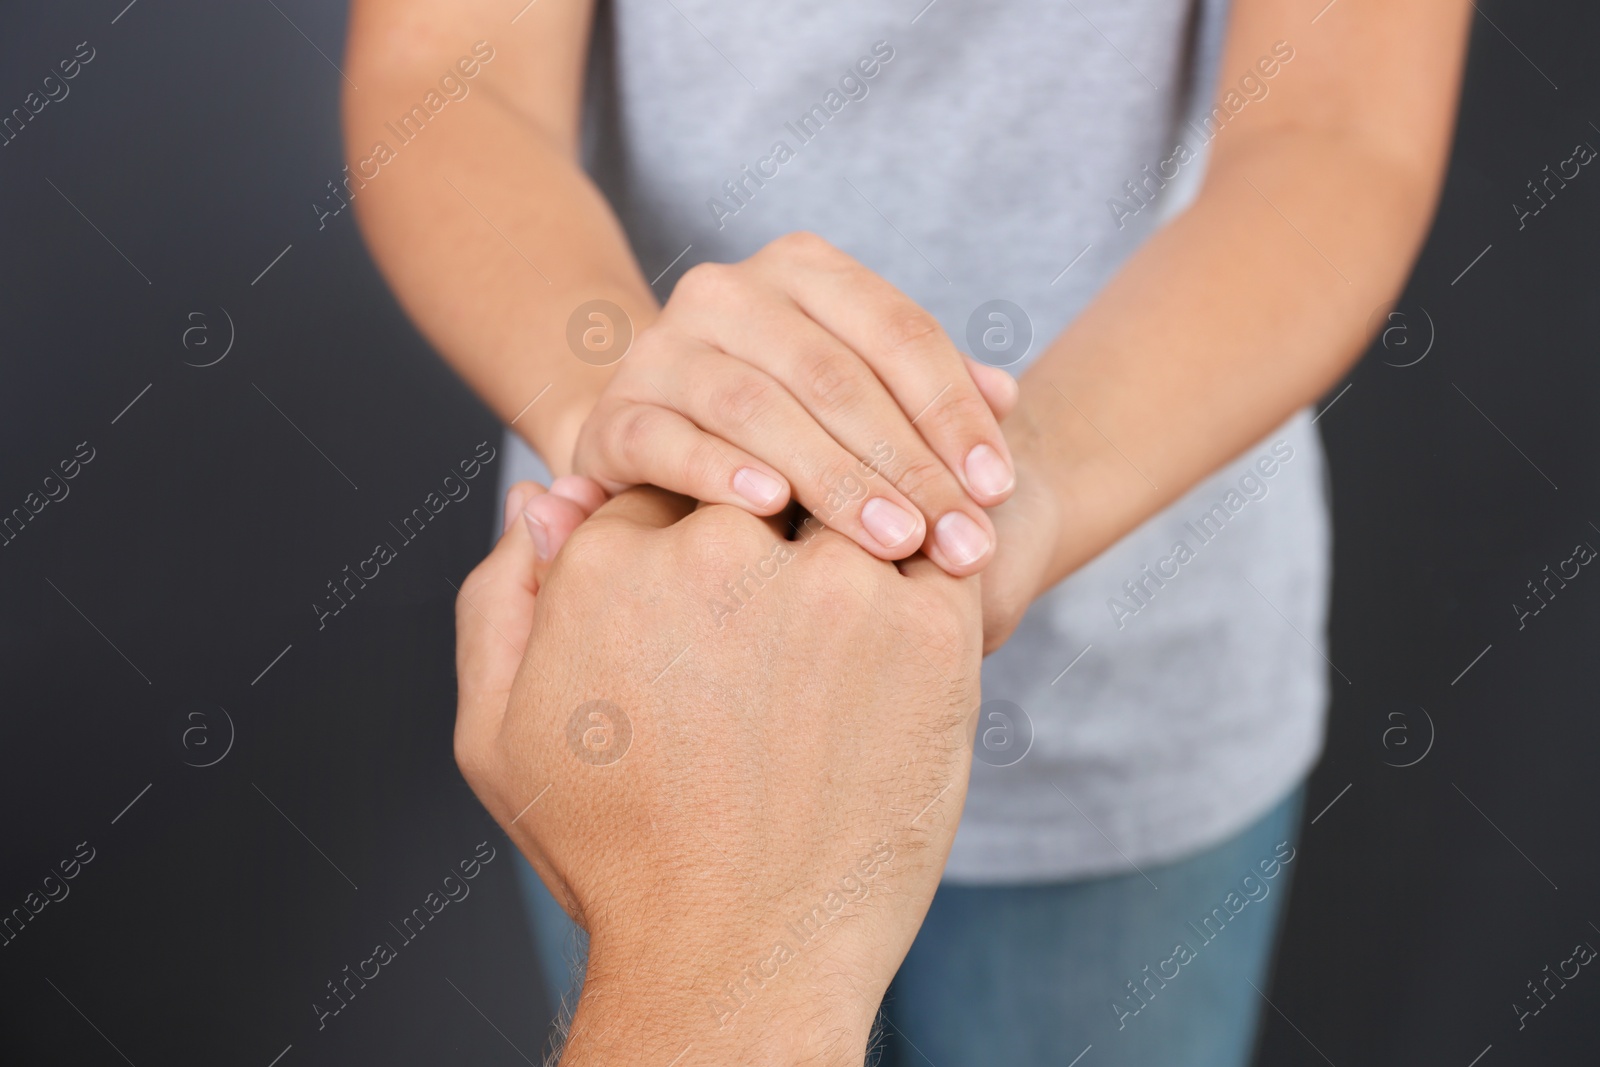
1032, 525
728, 1003
1088, 492
554, 434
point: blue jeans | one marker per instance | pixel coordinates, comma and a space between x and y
1035, 974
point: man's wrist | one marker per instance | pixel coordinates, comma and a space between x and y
638, 1011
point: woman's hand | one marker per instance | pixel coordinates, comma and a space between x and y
800, 374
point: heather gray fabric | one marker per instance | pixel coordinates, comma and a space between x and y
986, 151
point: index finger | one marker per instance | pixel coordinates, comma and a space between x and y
908, 351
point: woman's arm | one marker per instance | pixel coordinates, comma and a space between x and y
484, 223
1251, 303
759, 383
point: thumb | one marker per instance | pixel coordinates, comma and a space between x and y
494, 615
551, 517
494, 606
998, 388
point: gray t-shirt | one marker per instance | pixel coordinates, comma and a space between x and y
1015, 150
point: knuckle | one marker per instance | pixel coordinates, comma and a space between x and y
725, 524
632, 431
906, 329
921, 475
742, 401
706, 282
592, 553
963, 409
842, 564
801, 244
836, 486
655, 348
834, 575
939, 615
704, 467
832, 379
1000, 620
714, 541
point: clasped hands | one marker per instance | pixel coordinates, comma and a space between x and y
748, 810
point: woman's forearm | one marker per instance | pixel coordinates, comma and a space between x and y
491, 235
1244, 309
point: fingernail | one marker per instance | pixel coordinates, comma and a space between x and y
541, 536
755, 486
962, 540
987, 472
888, 524
515, 498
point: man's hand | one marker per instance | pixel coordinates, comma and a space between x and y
784, 374
737, 760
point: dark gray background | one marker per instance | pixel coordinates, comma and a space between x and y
192, 546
